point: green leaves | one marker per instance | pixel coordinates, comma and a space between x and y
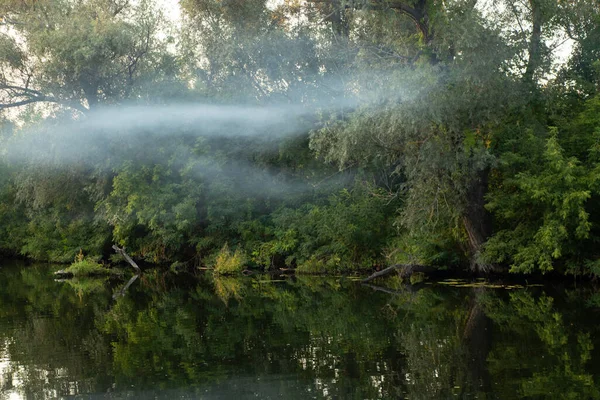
156, 199
345, 233
548, 207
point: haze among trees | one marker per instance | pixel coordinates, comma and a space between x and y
330, 135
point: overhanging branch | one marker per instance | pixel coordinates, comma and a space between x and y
23, 96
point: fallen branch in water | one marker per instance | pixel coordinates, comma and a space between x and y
126, 257
121, 292
404, 270
404, 290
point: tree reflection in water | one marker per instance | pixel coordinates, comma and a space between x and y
183, 336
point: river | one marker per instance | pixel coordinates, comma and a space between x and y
182, 336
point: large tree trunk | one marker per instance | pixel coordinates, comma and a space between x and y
535, 42
338, 20
477, 220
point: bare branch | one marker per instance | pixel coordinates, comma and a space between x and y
121, 251
19, 103
404, 270
27, 96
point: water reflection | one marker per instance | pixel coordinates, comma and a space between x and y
179, 336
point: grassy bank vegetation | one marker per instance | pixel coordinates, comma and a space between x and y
86, 267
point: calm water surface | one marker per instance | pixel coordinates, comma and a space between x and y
178, 336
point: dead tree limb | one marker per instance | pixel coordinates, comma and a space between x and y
404, 270
383, 289
410, 289
12, 96
121, 292
127, 258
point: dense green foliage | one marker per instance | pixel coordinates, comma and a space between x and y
356, 134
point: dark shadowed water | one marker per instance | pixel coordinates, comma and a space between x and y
179, 336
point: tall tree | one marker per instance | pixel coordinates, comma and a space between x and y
469, 75
75, 54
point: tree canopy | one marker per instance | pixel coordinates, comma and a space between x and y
328, 135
